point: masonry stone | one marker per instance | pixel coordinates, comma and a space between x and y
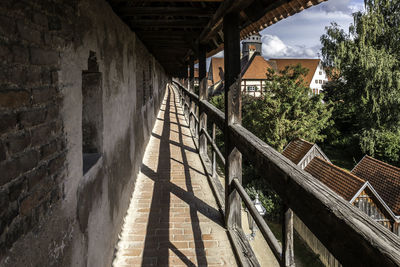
20, 54
39, 133
8, 121
27, 33
18, 142
3, 154
35, 176
8, 170
17, 188
14, 98
41, 95
32, 117
40, 19
41, 56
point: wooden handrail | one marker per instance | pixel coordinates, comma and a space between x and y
214, 146
259, 220
348, 233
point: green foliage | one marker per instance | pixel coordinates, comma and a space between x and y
269, 199
365, 66
287, 110
382, 143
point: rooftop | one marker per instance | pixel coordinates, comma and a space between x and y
297, 149
384, 177
342, 182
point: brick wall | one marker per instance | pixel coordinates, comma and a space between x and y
32, 144
51, 212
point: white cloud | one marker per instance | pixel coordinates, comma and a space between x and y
273, 47
305, 28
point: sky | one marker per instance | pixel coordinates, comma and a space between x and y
298, 36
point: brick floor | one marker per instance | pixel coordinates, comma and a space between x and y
173, 218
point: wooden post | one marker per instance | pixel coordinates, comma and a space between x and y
202, 96
191, 74
233, 166
214, 155
287, 238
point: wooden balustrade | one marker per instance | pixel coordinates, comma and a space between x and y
349, 234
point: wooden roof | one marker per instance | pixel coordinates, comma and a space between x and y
297, 149
173, 29
384, 177
340, 181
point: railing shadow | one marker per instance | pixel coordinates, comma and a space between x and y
159, 223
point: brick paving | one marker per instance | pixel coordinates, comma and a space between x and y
173, 218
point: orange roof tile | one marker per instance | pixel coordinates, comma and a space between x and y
340, 181
257, 70
384, 177
297, 149
310, 64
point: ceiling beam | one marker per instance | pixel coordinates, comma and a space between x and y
168, 22
165, 11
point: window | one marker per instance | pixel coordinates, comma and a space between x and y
92, 113
320, 73
320, 81
316, 81
324, 82
251, 88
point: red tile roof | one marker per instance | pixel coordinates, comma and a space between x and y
384, 177
297, 149
257, 70
340, 181
310, 64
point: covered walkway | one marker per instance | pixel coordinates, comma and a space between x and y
173, 217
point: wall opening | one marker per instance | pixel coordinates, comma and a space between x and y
144, 87
151, 79
92, 113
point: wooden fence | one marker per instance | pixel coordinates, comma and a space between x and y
349, 234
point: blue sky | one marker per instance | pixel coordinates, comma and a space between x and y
299, 35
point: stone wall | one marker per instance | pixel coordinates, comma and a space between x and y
52, 213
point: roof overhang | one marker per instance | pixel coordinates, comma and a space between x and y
172, 30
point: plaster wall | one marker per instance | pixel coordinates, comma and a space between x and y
319, 77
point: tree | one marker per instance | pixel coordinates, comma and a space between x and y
365, 88
287, 110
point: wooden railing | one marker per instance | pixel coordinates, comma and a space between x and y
349, 234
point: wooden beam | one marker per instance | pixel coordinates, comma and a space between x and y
233, 167
170, 1
202, 96
184, 23
164, 11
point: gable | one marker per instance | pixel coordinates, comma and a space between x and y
296, 150
384, 177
